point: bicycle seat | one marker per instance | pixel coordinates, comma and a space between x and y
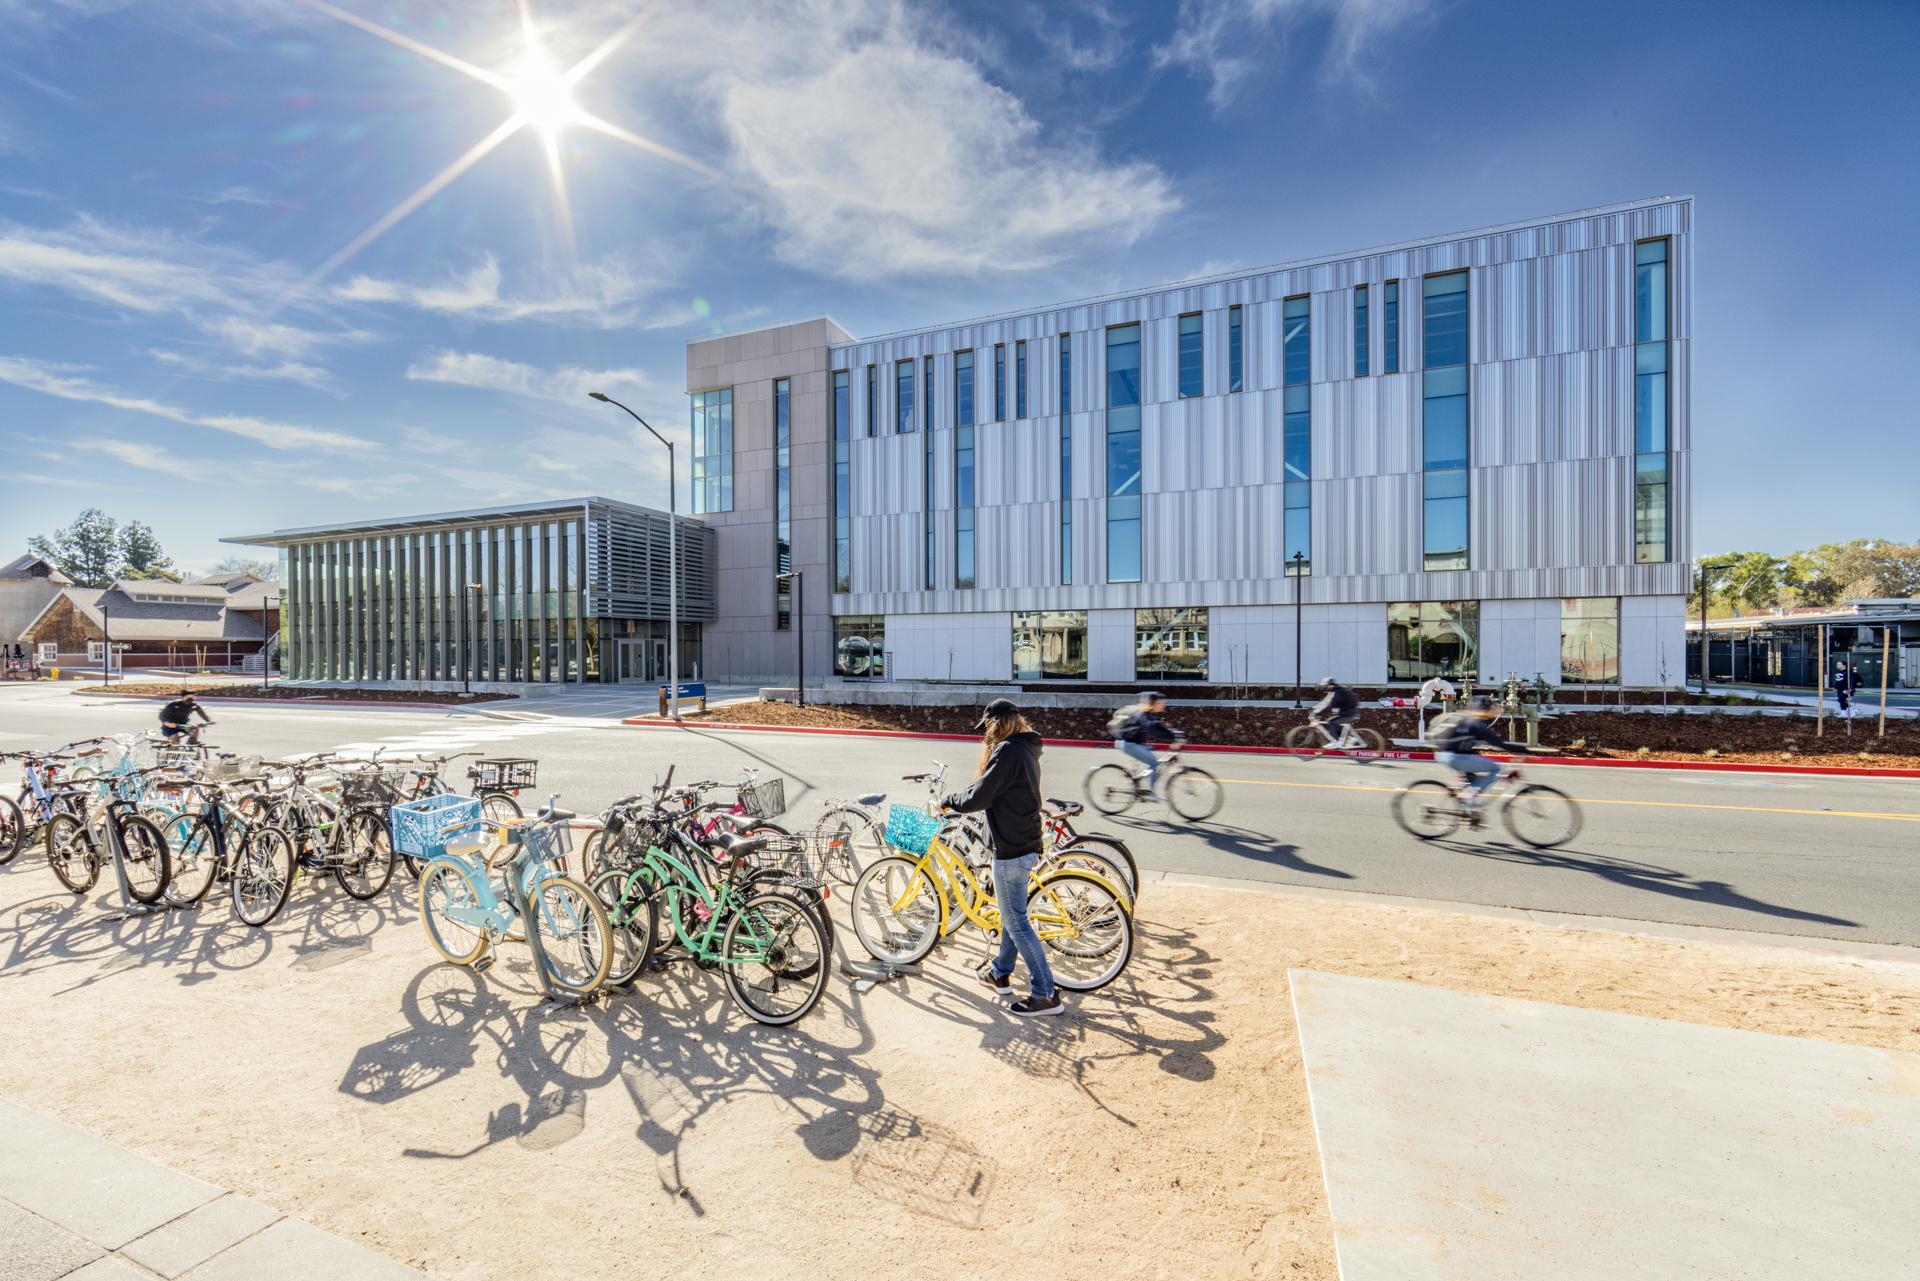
741, 846
870, 798
557, 813
1066, 809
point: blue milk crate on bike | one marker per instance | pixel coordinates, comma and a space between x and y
910, 828
424, 828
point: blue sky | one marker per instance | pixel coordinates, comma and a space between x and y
191, 333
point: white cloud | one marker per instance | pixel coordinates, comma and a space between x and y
1230, 41
188, 365
605, 294
66, 382
153, 458
565, 385
1088, 36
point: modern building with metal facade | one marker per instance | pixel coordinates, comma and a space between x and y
569, 590
1468, 454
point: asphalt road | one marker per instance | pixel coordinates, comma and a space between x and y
1793, 854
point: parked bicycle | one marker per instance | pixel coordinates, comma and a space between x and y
41, 796
224, 837
1537, 815
78, 844
350, 842
1192, 792
852, 833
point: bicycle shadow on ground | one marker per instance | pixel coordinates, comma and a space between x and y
1240, 842
1632, 874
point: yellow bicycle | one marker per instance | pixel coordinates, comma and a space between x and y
904, 904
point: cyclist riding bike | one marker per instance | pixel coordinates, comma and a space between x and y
1135, 729
1457, 739
1337, 709
176, 717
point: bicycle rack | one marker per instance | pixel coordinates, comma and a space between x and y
130, 907
556, 995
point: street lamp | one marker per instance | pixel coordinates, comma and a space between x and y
792, 579
467, 650
673, 557
1299, 569
267, 602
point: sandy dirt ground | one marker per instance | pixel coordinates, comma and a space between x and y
331, 1067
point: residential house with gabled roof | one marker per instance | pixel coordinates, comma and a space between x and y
27, 583
155, 623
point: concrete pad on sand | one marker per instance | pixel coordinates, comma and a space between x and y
1485, 1137
197, 1236
33, 1249
89, 1186
294, 1250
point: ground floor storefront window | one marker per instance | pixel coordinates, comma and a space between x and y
1170, 644
1433, 638
1590, 640
860, 646
1050, 644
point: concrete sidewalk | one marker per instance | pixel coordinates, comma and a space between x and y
76, 1206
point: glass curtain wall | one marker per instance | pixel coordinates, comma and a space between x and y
1170, 644
928, 554
1297, 362
1445, 417
842, 485
1433, 638
963, 451
713, 450
782, 502
1050, 645
1066, 458
1590, 640
1123, 454
1651, 459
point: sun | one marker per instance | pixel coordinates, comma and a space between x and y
541, 94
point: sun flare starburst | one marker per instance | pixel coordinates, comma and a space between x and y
541, 98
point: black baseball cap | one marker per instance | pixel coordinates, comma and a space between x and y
998, 710
1480, 703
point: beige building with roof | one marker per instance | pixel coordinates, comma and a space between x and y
219, 623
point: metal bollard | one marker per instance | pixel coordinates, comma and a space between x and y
663, 700
703, 705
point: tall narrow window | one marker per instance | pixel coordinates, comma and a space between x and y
1359, 331
713, 451
963, 457
999, 382
1123, 454
1233, 348
1020, 379
782, 503
873, 400
842, 485
1066, 458
1445, 417
1192, 355
1390, 329
903, 395
926, 474
1651, 456
1296, 359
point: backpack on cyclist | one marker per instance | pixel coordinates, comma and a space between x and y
1119, 722
1445, 727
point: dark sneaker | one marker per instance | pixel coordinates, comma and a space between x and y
1003, 987
1034, 1007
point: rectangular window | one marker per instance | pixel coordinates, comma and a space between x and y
1192, 355
860, 646
1446, 418
1050, 645
842, 484
1590, 640
713, 451
903, 395
1297, 442
1066, 458
873, 400
1020, 379
962, 442
963, 389
1233, 348
1390, 329
1359, 331
1433, 638
782, 503
1123, 454
926, 393
926, 475
1170, 644
1652, 494
999, 382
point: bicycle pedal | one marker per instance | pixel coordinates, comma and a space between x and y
484, 964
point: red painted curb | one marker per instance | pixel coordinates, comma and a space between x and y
1730, 767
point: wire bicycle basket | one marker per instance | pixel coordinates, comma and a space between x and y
910, 828
545, 842
766, 799
504, 774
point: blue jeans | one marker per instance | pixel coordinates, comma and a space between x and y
1147, 757
1016, 931
1479, 771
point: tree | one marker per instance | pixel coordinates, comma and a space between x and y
238, 565
87, 551
1752, 580
1808, 581
140, 554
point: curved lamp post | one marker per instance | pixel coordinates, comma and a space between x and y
673, 557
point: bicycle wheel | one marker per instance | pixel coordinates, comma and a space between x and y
1427, 809
1113, 848
848, 839
896, 911
13, 830
1303, 737
72, 853
776, 957
1370, 740
146, 858
498, 807
196, 859
575, 938
262, 875
1194, 794
1084, 926
445, 885
631, 920
1093, 863
367, 863
1111, 788
1541, 816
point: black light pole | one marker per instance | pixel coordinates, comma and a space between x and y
792, 579
266, 602
673, 555
1299, 563
1704, 651
106, 645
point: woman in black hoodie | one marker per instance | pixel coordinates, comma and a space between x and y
1008, 790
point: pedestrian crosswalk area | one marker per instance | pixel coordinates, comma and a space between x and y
467, 737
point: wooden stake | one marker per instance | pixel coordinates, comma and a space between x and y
1820, 706
1886, 650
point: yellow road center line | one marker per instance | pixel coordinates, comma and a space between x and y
1602, 800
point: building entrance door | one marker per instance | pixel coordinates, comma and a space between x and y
659, 660
628, 661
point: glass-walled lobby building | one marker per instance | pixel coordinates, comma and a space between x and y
573, 590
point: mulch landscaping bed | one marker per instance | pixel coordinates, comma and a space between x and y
296, 693
1594, 735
